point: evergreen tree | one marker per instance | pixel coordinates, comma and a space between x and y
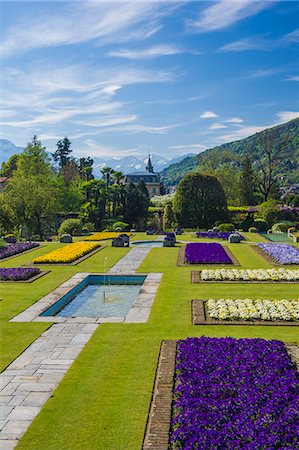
168, 217
200, 201
247, 183
136, 206
61, 155
85, 168
9, 166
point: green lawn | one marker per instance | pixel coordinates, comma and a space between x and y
102, 403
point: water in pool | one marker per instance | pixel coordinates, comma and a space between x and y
99, 296
148, 243
101, 301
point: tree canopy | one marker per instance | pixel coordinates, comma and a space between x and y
200, 201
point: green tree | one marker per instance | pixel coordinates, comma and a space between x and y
85, 168
30, 198
9, 166
136, 205
168, 217
107, 173
247, 183
200, 201
93, 210
62, 154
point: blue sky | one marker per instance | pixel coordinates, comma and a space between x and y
118, 77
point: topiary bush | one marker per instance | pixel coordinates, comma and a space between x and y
226, 227
88, 227
282, 227
70, 226
121, 225
261, 225
252, 230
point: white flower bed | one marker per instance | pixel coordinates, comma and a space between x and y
247, 309
250, 275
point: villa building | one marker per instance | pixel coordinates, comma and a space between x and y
150, 178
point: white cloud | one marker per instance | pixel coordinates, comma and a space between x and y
98, 150
234, 120
286, 116
112, 89
217, 126
225, 13
247, 44
208, 115
106, 121
148, 53
292, 78
77, 22
292, 37
199, 147
242, 133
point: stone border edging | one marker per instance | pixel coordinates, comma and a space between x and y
74, 263
36, 277
182, 262
200, 317
158, 423
196, 278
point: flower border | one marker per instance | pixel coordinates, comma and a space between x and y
200, 317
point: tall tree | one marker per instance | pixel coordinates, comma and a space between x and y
85, 168
247, 183
136, 206
62, 154
168, 217
93, 210
9, 166
31, 193
107, 175
200, 201
271, 148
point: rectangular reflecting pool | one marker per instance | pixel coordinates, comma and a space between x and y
99, 296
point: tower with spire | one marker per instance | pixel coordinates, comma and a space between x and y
149, 167
150, 178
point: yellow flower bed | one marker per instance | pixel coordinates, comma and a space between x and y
105, 235
67, 254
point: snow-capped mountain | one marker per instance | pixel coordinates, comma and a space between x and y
7, 149
125, 165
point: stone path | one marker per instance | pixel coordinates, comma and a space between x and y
130, 262
29, 381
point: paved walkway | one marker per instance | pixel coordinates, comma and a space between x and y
30, 380
130, 262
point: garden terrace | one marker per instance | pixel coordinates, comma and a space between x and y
115, 371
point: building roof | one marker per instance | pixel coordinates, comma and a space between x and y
140, 173
3, 179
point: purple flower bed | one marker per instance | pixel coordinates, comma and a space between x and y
202, 253
219, 235
282, 253
234, 394
18, 273
14, 249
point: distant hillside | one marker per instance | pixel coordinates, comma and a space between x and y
7, 149
286, 138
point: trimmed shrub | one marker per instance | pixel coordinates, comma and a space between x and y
282, 226
88, 227
226, 227
252, 230
70, 226
261, 225
121, 225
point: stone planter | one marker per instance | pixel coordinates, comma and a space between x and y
234, 239
66, 239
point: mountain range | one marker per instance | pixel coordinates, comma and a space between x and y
126, 165
285, 140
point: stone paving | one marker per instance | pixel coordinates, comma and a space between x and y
130, 262
29, 381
